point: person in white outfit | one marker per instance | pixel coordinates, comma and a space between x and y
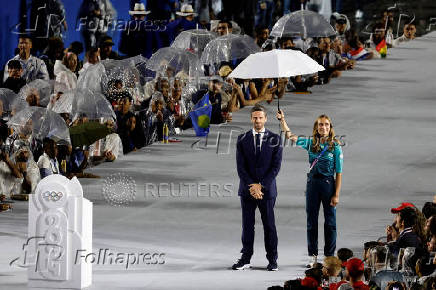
92, 57
409, 34
47, 162
64, 71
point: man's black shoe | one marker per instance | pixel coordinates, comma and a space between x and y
272, 266
241, 264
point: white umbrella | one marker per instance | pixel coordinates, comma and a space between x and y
277, 63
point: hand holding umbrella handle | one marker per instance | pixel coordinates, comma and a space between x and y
280, 115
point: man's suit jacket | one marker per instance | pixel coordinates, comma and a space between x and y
261, 168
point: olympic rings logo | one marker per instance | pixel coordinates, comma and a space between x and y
52, 195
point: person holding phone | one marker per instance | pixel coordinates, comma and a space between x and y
325, 161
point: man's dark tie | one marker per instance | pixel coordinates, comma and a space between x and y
257, 143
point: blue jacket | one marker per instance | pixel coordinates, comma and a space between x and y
141, 37
262, 168
407, 238
174, 28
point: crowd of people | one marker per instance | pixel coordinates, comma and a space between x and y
401, 259
140, 103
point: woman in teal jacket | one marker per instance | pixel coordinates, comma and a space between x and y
325, 163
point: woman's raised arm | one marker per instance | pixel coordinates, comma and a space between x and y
284, 126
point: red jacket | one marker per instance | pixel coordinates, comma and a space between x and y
335, 286
360, 285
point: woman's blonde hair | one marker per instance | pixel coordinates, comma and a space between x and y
333, 265
331, 140
67, 57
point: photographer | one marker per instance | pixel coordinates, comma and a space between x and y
29, 171
8, 170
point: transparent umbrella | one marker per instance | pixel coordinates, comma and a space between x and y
92, 105
124, 71
136, 60
40, 123
303, 23
191, 88
38, 90
169, 61
227, 48
194, 40
140, 64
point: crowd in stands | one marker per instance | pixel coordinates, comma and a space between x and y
45, 74
404, 258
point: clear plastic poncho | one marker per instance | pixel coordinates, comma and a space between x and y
7, 98
40, 123
94, 78
92, 105
65, 102
40, 88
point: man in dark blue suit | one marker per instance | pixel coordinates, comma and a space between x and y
258, 158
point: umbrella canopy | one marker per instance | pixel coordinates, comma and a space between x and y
122, 70
228, 47
194, 40
277, 63
140, 64
40, 123
38, 88
126, 72
91, 105
87, 133
136, 60
303, 23
169, 61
